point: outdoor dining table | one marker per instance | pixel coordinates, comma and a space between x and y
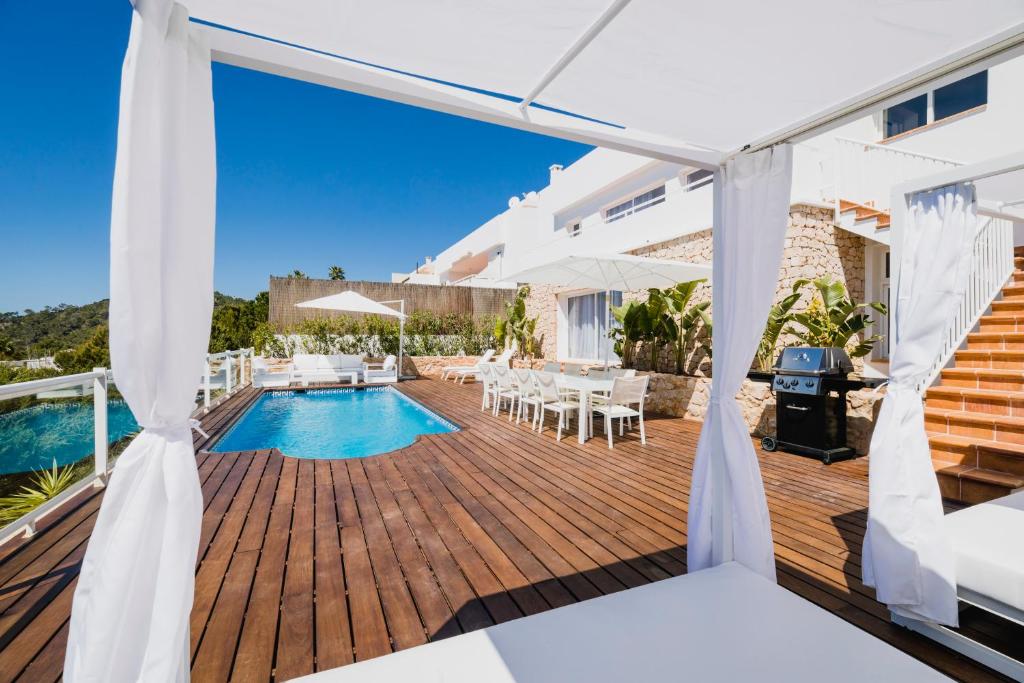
585, 386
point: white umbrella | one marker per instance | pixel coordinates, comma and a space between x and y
357, 303
622, 272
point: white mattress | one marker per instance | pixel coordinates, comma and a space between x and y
988, 540
721, 624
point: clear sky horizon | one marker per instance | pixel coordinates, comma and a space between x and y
308, 177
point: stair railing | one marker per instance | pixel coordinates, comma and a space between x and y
991, 267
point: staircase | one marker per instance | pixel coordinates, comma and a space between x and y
975, 413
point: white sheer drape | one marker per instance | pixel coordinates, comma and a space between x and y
728, 513
907, 555
129, 620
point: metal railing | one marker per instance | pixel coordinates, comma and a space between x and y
991, 267
95, 382
866, 172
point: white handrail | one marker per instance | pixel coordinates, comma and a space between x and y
230, 385
991, 267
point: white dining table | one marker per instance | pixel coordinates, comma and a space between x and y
585, 386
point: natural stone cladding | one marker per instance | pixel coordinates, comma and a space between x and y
814, 246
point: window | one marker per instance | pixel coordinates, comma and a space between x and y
949, 100
574, 228
697, 179
906, 116
965, 94
640, 202
588, 326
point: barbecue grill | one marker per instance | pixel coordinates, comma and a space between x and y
810, 408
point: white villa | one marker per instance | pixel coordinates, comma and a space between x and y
612, 202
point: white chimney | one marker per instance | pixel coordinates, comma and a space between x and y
554, 169
428, 259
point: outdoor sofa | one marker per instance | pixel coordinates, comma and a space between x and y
309, 367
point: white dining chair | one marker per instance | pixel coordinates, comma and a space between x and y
505, 390
527, 395
488, 380
626, 392
553, 401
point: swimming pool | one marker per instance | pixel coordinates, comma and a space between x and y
32, 438
332, 423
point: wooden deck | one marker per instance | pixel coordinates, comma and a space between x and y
307, 565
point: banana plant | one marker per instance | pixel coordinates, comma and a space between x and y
633, 327
515, 330
689, 319
779, 318
662, 328
833, 319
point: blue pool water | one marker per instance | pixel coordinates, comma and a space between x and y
32, 438
332, 423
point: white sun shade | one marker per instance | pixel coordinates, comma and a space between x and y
617, 271
718, 75
350, 301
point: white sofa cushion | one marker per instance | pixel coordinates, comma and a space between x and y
306, 362
987, 541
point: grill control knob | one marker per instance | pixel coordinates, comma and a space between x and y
809, 382
780, 381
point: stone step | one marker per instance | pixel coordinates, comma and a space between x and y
1012, 341
987, 454
984, 378
1018, 276
974, 484
1001, 323
1018, 251
1014, 291
988, 401
980, 426
1018, 261
999, 359
1012, 308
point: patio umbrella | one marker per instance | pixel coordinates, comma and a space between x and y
355, 302
620, 272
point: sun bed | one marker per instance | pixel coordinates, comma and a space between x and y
988, 540
463, 371
721, 624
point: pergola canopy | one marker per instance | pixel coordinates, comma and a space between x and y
713, 76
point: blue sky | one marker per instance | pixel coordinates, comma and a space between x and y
307, 177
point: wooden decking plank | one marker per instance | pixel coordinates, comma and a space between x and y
295, 636
333, 628
369, 630
435, 612
257, 646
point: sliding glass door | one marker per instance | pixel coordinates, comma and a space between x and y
588, 328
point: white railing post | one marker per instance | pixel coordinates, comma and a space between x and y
206, 384
227, 374
101, 433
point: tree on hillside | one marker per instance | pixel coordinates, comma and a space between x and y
336, 273
94, 353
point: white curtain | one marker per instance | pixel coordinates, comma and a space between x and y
907, 555
728, 512
129, 621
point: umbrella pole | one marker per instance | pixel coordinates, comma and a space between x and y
401, 338
607, 323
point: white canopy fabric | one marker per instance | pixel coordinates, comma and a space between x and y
648, 65
350, 301
728, 512
613, 271
907, 555
130, 616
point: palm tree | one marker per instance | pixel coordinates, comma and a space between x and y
297, 275
336, 273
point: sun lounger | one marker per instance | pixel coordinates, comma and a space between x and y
463, 371
987, 541
721, 624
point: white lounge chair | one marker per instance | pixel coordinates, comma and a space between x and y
987, 542
375, 373
721, 624
625, 393
463, 371
263, 375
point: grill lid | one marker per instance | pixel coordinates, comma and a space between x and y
808, 360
